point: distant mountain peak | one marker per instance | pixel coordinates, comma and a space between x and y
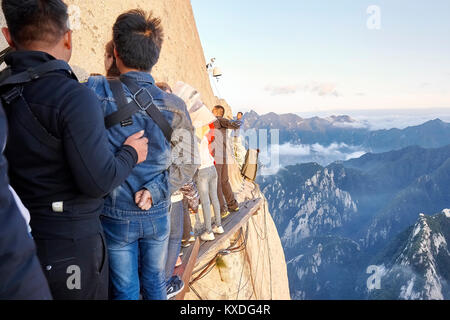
446, 212
419, 272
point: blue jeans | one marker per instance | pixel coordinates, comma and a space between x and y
176, 234
207, 188
133, 242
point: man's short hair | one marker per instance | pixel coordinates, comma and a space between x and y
240, 113
220, 109
138, 39
36, 20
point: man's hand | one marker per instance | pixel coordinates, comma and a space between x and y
143, 200
139, 143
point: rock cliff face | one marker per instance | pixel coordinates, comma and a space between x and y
260, 271
182, 56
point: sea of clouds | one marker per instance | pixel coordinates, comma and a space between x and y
279, 156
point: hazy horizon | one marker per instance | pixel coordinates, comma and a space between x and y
381, 118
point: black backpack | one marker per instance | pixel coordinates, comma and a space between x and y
11, 88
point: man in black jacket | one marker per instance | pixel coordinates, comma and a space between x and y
227, 200
63, 171
21, 276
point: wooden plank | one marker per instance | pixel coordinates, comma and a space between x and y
195, 252
232, 224
189, 260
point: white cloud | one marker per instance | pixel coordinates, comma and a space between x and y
290, 154
322, 89
355, 155
294, 150
281, 90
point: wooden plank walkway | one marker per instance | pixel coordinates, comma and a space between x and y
189, 260
231, 225
200, 249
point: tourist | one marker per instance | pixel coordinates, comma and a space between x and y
207, 182
227, 200
61, 164
178, 224
239, 150
110, 61
136, 215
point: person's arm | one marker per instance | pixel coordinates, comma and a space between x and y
185, 153
229, 124
96, 169
157, 188
153, 192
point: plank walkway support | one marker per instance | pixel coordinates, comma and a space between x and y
201, 249
189, 260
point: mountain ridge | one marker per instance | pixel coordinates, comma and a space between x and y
343, 129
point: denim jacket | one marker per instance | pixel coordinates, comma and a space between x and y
164, 171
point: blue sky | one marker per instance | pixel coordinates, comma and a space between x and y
320, 56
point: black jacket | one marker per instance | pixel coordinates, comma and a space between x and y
21, 276
82, 169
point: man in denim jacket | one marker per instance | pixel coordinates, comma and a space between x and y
136, 215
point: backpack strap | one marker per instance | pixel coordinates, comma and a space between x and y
35, 73
14, 97
142, 100
25, 117
122, 102
4, 53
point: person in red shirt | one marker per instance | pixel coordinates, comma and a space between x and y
227, 200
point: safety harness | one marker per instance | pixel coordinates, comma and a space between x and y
141, 100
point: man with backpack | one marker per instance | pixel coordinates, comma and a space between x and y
136, 214
61, 163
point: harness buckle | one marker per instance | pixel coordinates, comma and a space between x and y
33, 74
141, 101
12, 94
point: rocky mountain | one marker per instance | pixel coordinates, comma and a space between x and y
311, 206
324, 268
417, 265
335, 219
345, 130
